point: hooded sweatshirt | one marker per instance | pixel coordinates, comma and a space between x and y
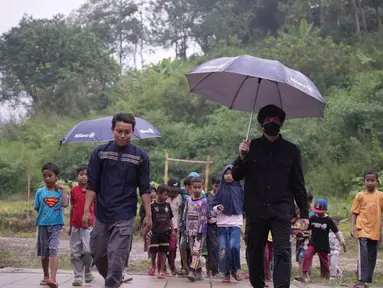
230, 195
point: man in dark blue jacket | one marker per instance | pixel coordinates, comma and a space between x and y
115, 171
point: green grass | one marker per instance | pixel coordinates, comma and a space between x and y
348, 278
8, 259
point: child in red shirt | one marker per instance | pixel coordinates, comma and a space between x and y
81, 258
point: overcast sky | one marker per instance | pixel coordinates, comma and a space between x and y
11, 11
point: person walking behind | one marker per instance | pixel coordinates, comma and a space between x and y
366, 226
335, 247
162, 216
81, 258
195, 214
211, 239
175, 201
320, 225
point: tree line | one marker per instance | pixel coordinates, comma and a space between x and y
67, 69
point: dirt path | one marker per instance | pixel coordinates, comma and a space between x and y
26, 246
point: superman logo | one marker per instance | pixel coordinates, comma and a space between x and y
50, 201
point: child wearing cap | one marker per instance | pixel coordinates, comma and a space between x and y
320, 225
175, 201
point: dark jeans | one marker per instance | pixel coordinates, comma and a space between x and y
368, 250
212, 249
110, 245
258, 230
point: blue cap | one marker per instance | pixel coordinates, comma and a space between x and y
193, 174
320, 206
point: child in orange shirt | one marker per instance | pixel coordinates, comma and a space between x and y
366, 226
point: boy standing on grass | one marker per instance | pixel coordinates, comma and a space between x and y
49, 203
320, 226
81, 258
162, 216
366, 226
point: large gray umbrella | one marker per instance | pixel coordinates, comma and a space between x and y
247, 83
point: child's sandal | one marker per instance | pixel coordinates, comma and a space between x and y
151, 271
161, 275
52, 284
43, 282
237, 275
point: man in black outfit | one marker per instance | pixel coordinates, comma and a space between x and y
274, 178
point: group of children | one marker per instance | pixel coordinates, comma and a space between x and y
206, 225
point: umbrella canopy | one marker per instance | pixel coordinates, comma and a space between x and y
99, 130
248, 83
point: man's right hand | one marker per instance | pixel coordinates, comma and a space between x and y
244, 148
86, 219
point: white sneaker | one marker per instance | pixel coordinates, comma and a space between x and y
126, 277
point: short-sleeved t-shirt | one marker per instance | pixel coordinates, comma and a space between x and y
49, 207
320, 229
175, 204
161, 214
368, 208
77, 201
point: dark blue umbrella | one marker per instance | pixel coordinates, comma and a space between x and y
248, 83
100, 130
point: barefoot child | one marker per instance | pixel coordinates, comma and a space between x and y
366, 226
80, 257
320, 226
195, 214
49, 203
228, 206
162, 228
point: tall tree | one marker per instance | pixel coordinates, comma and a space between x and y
54, 66
116, 22
171, 24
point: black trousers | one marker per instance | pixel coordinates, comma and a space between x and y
258, 230
212, 249
368, 250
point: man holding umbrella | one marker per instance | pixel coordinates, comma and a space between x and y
274, 178
115, 171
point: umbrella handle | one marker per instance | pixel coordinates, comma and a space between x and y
61, 143
252, 111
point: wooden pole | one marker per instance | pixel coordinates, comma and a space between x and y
28, 186
166, 167
187, 161
207, 174
28, 191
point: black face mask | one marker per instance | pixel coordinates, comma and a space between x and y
272, 129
